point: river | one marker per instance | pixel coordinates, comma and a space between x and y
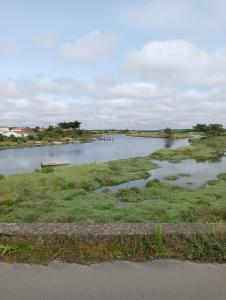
23, 160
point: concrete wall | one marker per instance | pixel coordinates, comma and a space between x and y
52, 233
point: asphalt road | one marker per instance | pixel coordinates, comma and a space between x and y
162, 279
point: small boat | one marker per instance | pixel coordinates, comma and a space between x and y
105, 138
54, 164
57, 143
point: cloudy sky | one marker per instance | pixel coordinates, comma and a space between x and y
138, 64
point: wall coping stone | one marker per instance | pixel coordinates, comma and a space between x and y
129, 229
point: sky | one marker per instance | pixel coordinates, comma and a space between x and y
124, 64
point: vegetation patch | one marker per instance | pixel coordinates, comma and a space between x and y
203, 149
177, 176
208, 247
166, 133
67, 194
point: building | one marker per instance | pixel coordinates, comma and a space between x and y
20, 132
4, 130
41, 129
16, 132
10, 133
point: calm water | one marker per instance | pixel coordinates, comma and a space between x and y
200, 174
28, 159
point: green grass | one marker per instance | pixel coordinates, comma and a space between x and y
159, 134
206, 149
208, 247
50, 198
67, 195
177, 176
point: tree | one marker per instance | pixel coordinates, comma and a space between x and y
31, 137
36, 129
69, 125
211, 129
201, 127
2, 137
215, 130
50, 128
168, 132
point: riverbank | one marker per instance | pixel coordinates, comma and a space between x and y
201, 150
85, 244
30, 144
159, 134
84, 138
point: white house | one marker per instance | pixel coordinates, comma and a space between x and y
4, 130
10, 133
17, 132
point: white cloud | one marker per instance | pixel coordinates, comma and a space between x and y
159, 13
108, 104
177, 63
202, 17
48, 40
94, 47
7, 49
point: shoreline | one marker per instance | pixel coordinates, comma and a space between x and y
43, 145
88, 140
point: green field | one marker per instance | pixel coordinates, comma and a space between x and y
68, 194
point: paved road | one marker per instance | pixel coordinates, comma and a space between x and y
163, 279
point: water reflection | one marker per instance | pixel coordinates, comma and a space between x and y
169, 142
200, 172
195, 174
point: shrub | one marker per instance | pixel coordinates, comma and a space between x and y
206, 248
222, 176
152, 182
69, 186
47, 170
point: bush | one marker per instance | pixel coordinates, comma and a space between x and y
2, 177
69, 186
207, 248
152, 182
47, 170
114, 167
222, 176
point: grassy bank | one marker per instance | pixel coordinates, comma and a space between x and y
158, 134
208, 247
201, 150
26, 143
